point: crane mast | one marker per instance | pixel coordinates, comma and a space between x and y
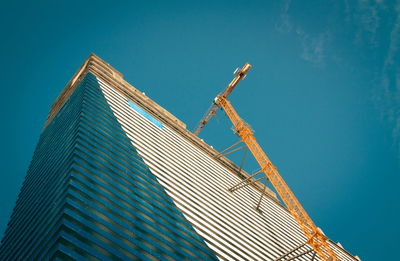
315, 238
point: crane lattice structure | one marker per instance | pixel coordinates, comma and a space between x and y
315, 237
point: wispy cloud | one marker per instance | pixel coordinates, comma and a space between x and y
284, 24
313, 46
369, 17
364, 14
390, 81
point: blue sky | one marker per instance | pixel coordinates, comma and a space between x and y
323, 96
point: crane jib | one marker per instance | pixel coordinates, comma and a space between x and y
315, 237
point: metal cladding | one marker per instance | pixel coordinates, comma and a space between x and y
88, 195
116, 176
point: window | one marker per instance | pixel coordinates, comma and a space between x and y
145, 114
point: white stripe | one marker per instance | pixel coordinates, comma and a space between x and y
199, 184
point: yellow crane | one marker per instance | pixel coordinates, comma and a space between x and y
315, 237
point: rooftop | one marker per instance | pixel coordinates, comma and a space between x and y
107, 73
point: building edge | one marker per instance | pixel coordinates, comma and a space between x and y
110, 75
107, 73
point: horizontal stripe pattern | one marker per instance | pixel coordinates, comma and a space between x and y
199, 184
88, 195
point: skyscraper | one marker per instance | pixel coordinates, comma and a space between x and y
117, 177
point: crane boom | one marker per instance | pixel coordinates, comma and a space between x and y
315, 237
240, 75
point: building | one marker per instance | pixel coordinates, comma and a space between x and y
117, 177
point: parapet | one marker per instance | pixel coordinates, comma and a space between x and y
111, 76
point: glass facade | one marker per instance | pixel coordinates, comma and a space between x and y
89, 195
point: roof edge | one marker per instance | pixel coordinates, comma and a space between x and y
108, 74
97, 66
